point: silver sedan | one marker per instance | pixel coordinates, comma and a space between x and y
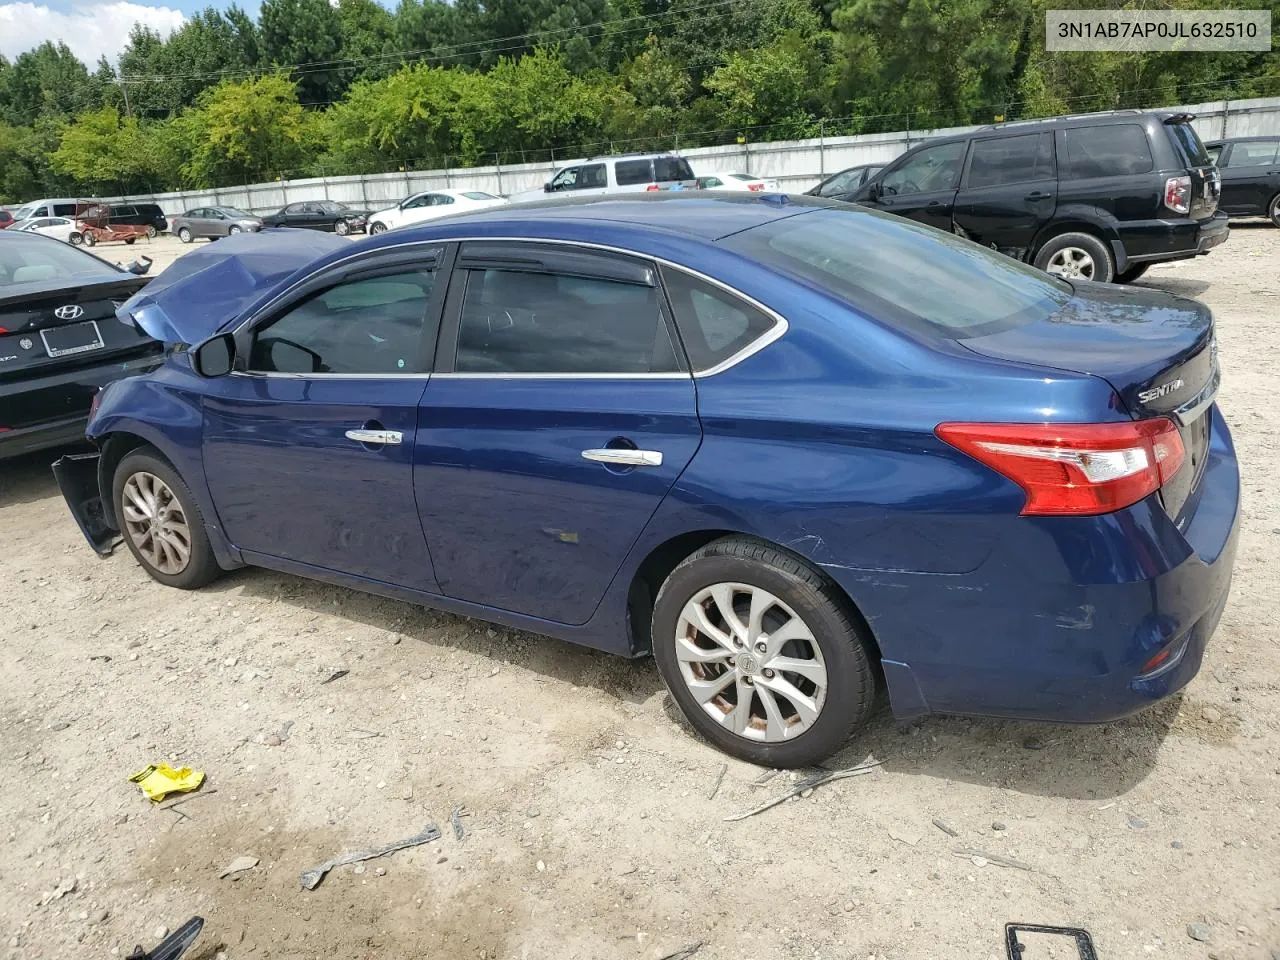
213, 222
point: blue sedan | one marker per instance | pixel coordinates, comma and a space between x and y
803, 455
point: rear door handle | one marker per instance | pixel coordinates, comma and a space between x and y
1038, 196
375, 436
624, 456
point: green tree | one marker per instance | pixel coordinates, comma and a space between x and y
305, 38
367, 29
106, 152
48, 81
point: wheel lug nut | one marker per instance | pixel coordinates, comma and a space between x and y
762, 647
748, 681
768, 674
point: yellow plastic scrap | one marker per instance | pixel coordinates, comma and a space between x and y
159, 780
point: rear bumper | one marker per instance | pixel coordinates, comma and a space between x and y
1066, 637
1154, 241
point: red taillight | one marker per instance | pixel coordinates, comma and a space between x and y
1075, 469
755, 186
1177, 194
652, 187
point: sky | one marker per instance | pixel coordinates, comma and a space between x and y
90, 29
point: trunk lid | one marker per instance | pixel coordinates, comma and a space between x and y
1156, 350
57, 325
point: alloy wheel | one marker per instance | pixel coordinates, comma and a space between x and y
156, 523
751, 662
1071, 263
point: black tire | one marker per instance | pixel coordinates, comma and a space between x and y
1132, 274
342, 228
840, 638
1102, 269
202, 566
75, 239
184, 234
1273, 210
130, 241
377, 228
233, 230
90, 239
151, 232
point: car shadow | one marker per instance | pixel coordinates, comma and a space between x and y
629, 680
1181, 286
29, 477
1078, 762
1256, 223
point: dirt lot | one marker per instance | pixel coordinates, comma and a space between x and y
591, 831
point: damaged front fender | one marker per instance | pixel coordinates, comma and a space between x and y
77, 476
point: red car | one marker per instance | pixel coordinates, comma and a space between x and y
6, 218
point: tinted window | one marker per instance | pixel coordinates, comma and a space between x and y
1213, 153
1256, 154
566, 179
366, 326
64, 209
671, 168
591, 176
1111, 150
631, 172
899, 271
708, 183
422, 200
1011, 160
442, 200
294, 208
1189, 143
478, 195
934, 168
713, 323
515, 322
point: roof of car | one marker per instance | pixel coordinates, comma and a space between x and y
1223, 141
686, 214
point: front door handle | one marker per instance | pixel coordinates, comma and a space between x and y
624, 456
375, 436
1038, 196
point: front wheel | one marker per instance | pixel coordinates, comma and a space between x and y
762, 654
376, 228
1273, 210
75, 239
130, 241
1076, 256
160, 522
151, 232
90, 239
342, 228
233, 230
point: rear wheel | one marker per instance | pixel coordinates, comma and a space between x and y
129, 241
1076, 256
90, 239
762, 654
1132, 274
1273, 210
184, 234
75, 239
151, 232
160, 522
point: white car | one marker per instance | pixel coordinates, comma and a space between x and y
60, 228
736, 181
429, 206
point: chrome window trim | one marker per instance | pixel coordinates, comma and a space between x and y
770, 336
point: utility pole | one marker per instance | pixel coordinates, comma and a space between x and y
124, 88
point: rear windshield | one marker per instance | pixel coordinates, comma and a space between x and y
478, 195
666, 169
905, 273
1188, 141
43, 259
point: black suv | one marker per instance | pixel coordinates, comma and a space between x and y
147, 215
1250, 168
1098, 197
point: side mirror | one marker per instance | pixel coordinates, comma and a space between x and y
873, 190
213, 358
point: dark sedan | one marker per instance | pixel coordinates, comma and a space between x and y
60, 340
320, 215
1250, 169
213, 222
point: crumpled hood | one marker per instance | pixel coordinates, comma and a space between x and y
209, 287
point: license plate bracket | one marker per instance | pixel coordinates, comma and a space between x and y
1079, 938
72, 338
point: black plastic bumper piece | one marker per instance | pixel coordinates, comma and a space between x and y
77, 476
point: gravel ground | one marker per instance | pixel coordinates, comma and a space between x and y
594, 827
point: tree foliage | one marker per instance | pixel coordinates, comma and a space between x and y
314, 87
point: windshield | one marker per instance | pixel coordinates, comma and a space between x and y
742, 176
23, 212
42, 259
902, 272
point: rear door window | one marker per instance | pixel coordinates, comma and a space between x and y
668, 169
1258, 153
1011, 160
63, 210
533, 322
1107, 150
592, 176
632, 172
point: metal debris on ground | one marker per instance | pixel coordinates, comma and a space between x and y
809, 783
909, 837
724, 768
60, 890
237, 866
945, 827
359, 734
764, 778
174, 945
455, 819
336, 675
159, 780
684, 953
995, 858
311, 878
